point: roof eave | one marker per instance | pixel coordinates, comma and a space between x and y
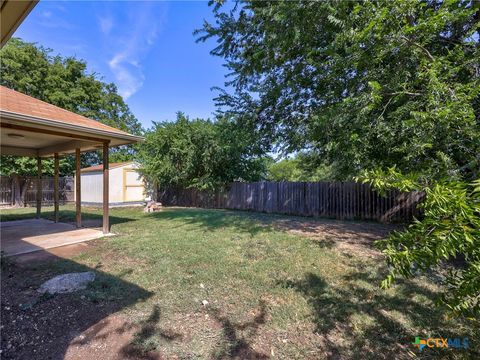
48, 122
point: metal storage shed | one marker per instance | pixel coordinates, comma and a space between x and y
126, 185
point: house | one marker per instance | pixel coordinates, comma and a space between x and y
126, 185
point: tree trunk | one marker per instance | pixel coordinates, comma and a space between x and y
20, 187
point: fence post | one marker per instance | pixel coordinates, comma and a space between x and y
12, 193
39, 186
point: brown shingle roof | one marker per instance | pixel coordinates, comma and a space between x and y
100, 167
18, 103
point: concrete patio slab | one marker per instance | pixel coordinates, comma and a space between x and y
26, 236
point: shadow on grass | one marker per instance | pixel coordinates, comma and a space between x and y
209, 219
89, 219
390, 321
237, 336
36, 326
146, 339
325, 232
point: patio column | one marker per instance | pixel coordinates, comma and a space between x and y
56, 186
39, 186
106, 222
78, 195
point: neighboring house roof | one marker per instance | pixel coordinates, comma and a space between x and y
15, 102
100, 167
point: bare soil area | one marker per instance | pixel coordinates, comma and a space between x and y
349, 237
64, 326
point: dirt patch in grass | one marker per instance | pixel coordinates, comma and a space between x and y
109, 339
348, 237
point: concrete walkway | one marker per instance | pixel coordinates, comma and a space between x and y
26, 236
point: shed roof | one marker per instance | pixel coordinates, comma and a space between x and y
100, 167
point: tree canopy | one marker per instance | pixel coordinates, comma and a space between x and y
384, 91
64, 82
199, 153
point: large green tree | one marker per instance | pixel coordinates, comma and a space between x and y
64, 82
364, 84
384, 90
199, 153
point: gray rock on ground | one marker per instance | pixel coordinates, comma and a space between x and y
67, 283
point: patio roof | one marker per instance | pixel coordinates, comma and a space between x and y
34, 128
12, 13
31, 127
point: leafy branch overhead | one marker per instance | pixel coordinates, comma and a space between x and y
363, 84
449, 229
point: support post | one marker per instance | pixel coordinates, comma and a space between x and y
39, 187
56, 187
78, 195
106, 222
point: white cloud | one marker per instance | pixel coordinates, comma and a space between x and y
128, 74
133, 40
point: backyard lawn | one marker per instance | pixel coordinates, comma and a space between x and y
213, 284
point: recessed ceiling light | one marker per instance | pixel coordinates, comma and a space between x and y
15, 136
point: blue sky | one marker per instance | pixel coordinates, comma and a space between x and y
146, 48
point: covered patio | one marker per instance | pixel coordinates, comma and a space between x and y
33, 128
26, 236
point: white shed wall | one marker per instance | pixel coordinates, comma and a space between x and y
116, 185
92, 185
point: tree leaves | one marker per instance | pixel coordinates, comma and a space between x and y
401, 76
375, 90
199, 153
448, 231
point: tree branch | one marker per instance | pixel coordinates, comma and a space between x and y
426, 52
404, 93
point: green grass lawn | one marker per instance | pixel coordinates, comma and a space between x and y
271, 293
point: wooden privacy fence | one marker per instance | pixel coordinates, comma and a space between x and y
66, 190
6, 197
339, 200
